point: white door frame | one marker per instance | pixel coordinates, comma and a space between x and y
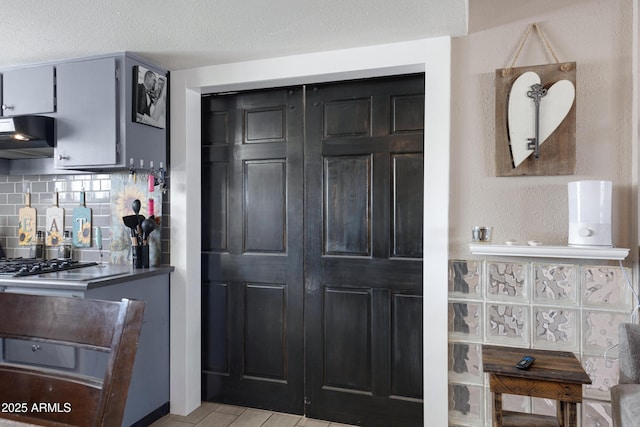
431, 56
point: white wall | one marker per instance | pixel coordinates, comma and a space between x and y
597, 34
431, 56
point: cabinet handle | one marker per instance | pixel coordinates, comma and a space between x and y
35, 347
7, 107
61, 157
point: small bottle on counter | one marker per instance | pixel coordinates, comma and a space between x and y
65, 250
37, 249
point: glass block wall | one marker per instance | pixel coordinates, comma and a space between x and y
558, 306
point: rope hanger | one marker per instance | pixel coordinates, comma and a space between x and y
545, 43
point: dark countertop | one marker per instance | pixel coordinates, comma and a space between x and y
86, 278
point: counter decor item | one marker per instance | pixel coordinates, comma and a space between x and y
590, 213
26, 222
536, 116
65, 249
54, 223
481, 234
37, 248
82, 224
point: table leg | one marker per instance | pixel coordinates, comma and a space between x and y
571, 414
561, 412
497, 409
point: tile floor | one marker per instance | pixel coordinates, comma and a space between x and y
219, 415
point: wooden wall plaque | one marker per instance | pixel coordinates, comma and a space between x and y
557, 154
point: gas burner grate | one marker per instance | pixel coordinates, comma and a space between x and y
20, 267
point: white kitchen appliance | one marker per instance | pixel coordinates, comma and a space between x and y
590, 213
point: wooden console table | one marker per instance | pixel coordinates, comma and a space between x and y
554, 375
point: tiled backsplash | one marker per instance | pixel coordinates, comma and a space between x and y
97, 188
572, 307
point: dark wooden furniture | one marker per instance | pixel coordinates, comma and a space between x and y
554, 375
45, 396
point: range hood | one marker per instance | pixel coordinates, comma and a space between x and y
27, 137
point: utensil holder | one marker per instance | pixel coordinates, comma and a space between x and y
145, 256
140, 256
137, 256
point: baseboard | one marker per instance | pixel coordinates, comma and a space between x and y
152, 416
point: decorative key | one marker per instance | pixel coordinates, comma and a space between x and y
536, 93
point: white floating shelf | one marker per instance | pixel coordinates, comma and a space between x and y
549, 251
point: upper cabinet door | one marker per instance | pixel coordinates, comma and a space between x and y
87, 112
28, 91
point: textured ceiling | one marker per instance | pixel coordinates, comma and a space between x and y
192, 33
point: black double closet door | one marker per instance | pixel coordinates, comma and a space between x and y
312, 203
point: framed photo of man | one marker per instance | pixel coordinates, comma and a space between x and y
149, 97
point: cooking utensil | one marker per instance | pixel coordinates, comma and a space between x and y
136, 205
54, 222
27, 223
131, 221
148, 225
82, 224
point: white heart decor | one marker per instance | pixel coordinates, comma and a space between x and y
554, 107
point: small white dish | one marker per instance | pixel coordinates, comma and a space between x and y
511, 242
534, 243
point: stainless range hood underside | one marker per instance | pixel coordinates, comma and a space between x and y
27, 137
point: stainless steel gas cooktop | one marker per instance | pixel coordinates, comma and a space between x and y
20, 267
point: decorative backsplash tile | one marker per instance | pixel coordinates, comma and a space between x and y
507, 280
556, 328
123, 193
464, 278
507, 324
553, 283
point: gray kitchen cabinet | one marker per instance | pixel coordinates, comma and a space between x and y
58, 356
149, 388
29, 90
95, 128
86, 120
